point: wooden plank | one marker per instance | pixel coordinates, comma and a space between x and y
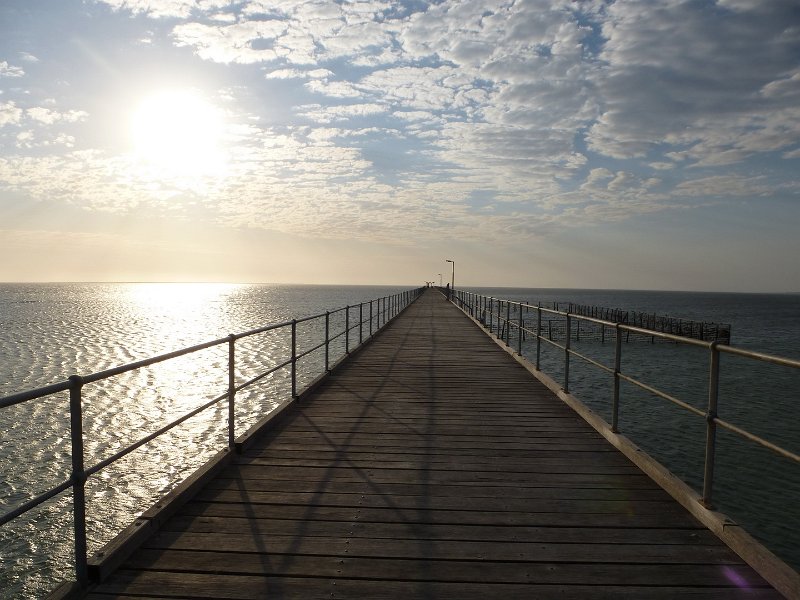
551, 573
441, 490
248, 587
672, 519
244, 523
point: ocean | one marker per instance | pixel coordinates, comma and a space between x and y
51, 331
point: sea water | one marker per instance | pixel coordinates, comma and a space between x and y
50, 331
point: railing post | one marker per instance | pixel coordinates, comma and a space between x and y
327, 340
294, 358
78, 480
370, 318
347, 329
519, 329
499, 308
711, 426
489, 315
360, 323
617, 369
566, 354
508, 323
231, 391
538, 335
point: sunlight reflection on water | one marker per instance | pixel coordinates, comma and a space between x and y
51, 331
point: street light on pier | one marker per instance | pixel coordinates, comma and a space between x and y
453, 278
440, 280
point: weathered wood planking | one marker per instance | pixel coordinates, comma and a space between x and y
431, 465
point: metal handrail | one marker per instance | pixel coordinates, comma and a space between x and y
476, 305
80, 474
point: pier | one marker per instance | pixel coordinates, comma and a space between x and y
429, 464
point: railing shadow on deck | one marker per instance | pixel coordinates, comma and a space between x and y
500, 316
359, 323
326, 476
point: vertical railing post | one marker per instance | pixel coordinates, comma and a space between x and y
566, 354
231, 391
370, 318
499, 309
508, 323
519, 329
711, 426
347, 329
327, 340
78, 480
617, 370
360, 323
489, 315
538, 336
294, 359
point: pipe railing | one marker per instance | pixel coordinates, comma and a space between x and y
497, 316
385, 309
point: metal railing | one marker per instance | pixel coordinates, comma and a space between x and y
499, 316
380, 311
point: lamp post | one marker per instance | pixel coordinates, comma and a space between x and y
440, 280
453, 278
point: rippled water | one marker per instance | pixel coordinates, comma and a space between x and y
48, 332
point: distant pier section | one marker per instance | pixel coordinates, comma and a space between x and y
553, 323
699, 330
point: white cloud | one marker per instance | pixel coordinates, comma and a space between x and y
723, 186
10, 114
7, 70
299, 74
48, 116
328, 114
704, 75
334, 89
158, 8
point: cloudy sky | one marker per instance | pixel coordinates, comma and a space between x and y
636, 144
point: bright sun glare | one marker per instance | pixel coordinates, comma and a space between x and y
178, 134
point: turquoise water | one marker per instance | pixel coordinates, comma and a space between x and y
50, 331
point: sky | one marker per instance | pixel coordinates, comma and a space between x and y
636, 144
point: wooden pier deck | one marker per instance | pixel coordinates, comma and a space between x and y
432, 465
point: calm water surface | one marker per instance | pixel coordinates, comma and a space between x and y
49, 331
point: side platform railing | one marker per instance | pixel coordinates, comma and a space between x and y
360, 323
501, 317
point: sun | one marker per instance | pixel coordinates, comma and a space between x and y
178, 133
